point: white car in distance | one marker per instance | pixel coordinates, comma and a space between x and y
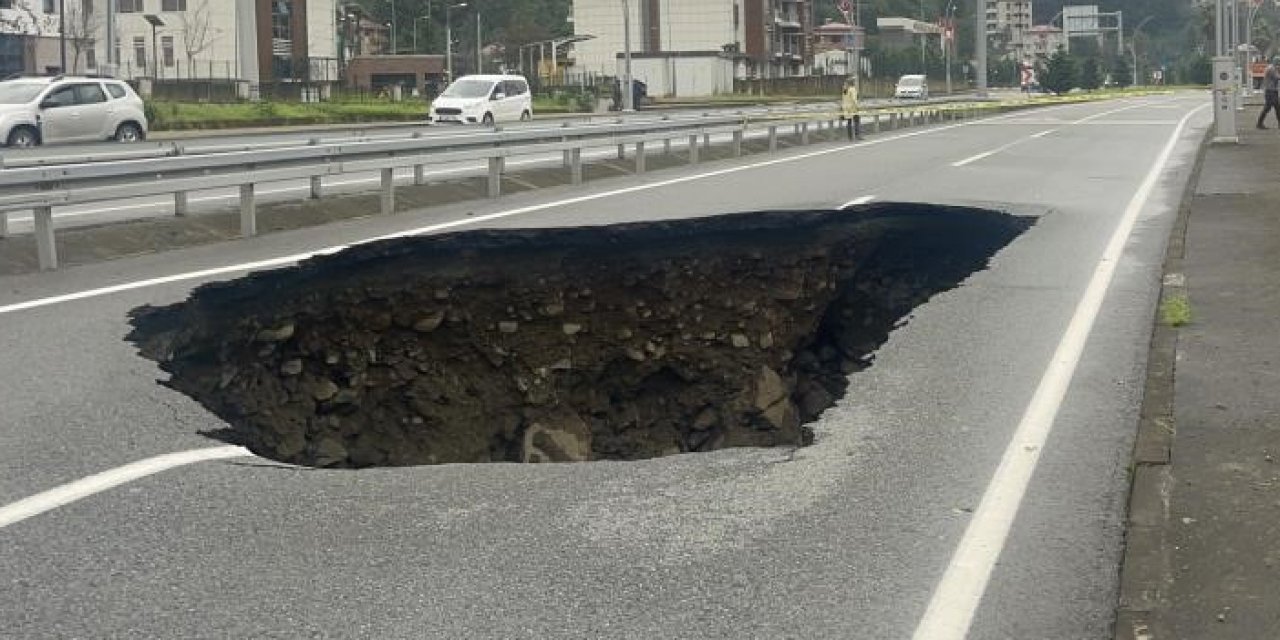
45, 110
484, 100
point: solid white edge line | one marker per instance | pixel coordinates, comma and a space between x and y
99, 482
298, 257
959, 593
856, 202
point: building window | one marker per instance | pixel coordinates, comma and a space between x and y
91, 58
282, 39
50, 6
140, 52
173, 5
129, 6
166, 50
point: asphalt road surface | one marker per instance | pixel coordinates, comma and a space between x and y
988, 414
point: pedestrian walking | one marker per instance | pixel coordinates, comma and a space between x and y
849, 109
1271, 88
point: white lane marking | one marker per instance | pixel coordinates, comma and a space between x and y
1006, 147
958, 594
99, 482
856, 202
297, 257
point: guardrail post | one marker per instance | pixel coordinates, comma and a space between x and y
388, 191
706, 141
317, 189
495, 176
419, 171
693, 149
179, 197
737, 143
640, 157
622, 152
46, 247
666, 146
575, 165
567, 155
804, 133
248, 212
875, 123
4, 224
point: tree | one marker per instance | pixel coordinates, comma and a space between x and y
197, 35
1060, 72
82, 24
1090, 73
1120, 71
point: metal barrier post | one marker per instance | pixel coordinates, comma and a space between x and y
706, 141
773, 138
179, 197
495, 176
316, 187
388, 191
46, 248
666, 146
419, 171
737, 143
575, 165
693, 149
804, 133
622, 152
4, 224
640, 157
248, 212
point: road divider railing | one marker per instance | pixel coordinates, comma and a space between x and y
183, 170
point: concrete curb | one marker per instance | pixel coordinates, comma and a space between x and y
1146, 568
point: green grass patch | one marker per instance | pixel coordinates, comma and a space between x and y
1175, 311
193, 115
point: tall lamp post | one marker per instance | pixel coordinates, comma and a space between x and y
628, 93
415, 31
155, 22
448, 39
395, 45
980, 47
948, 35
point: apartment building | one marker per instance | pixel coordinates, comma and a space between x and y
1009, 23
250, 41
764, 38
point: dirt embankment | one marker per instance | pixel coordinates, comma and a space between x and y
621, 342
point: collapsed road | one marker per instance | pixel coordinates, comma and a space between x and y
619, 342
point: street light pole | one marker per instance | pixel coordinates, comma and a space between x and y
479, 55
62, 33
1133, 46
628, 94
948, 34
395, 45
448, 38
980, 47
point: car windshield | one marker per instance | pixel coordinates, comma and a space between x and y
468, 89
19, 92
910, 81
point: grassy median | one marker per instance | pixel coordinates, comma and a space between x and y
175, 116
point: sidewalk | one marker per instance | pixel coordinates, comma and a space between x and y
1203, 556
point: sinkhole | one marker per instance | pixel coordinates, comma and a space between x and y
619, 342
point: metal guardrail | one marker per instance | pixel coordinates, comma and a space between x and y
180, 171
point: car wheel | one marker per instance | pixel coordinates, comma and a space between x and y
526, 116
23, 138
128, 132
487, 120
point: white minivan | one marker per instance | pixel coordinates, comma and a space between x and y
484, 100
912, 86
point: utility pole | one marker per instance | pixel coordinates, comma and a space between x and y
628, 93
62, 33
980, 47
479, 58
112, 62
394, 43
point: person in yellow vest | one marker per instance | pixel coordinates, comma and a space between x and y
849, 109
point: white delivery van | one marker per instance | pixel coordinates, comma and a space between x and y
912, 86
484, 100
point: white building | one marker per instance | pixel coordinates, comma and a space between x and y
250, 41
758, 38
1011, 21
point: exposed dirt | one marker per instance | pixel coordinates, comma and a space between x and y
621, 342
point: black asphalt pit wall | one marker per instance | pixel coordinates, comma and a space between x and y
600, 343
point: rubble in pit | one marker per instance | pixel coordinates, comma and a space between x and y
622, 342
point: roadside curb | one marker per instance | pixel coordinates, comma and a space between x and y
1146, 569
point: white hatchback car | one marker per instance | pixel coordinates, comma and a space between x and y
484, 100
36, 111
